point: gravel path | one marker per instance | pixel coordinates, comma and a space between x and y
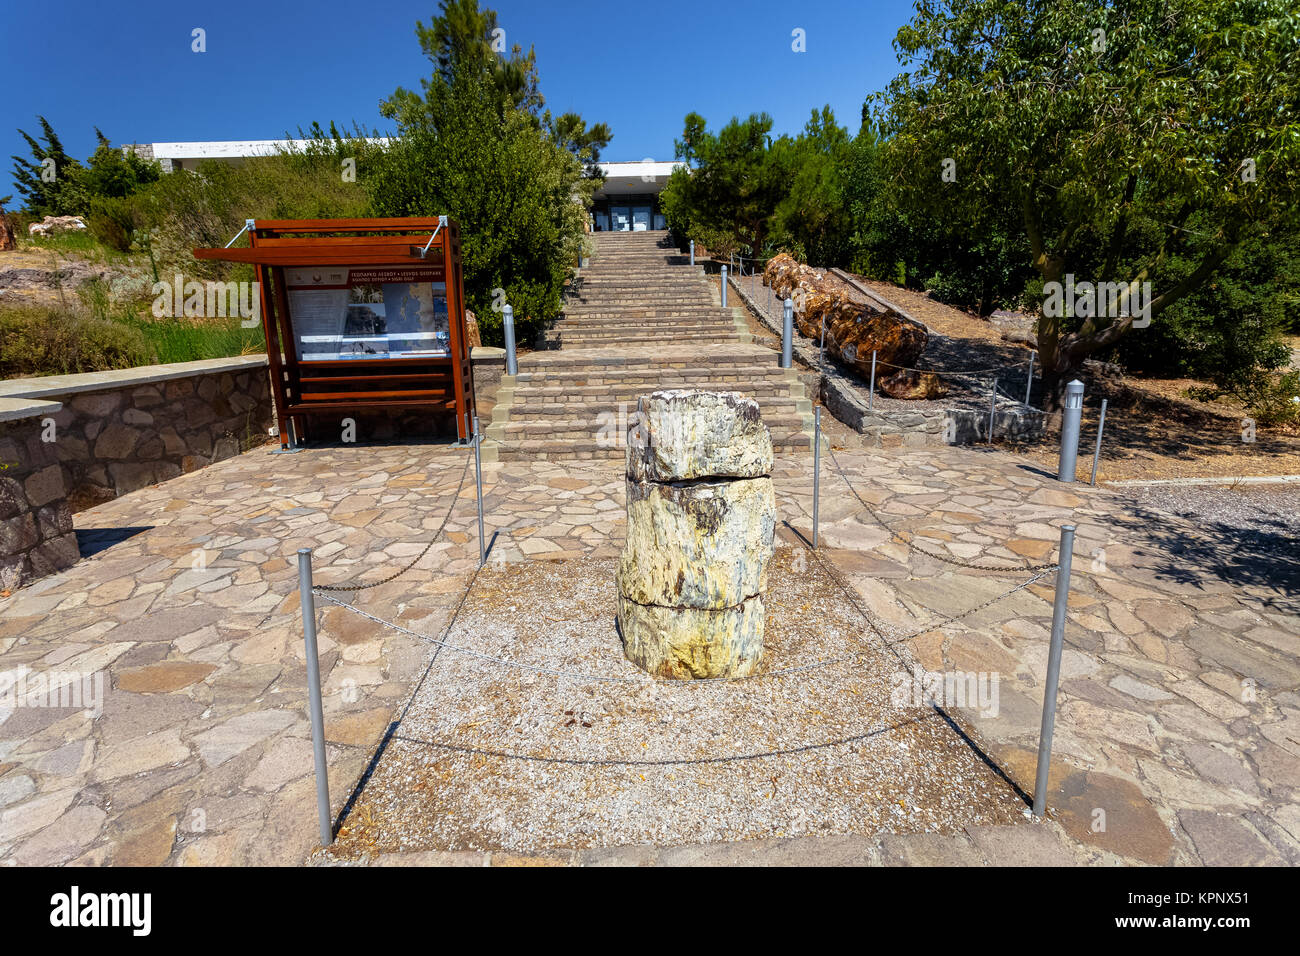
1257, 512
497, 758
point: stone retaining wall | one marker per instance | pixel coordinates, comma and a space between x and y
69, 442
36, 536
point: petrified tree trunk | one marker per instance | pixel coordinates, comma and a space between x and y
853, 329
7, 240
701, 515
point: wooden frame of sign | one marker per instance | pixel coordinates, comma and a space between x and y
327, 287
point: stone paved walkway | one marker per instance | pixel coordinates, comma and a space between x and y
1179, 717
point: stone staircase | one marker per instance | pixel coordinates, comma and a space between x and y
637, 319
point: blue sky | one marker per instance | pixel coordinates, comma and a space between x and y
274, 65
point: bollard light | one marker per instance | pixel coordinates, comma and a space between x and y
508, 325
692, 252
787, 334
724, 287
1070, 420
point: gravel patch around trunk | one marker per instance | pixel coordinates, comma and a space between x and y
494, 757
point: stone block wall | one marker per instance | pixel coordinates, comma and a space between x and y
115, 440
36, 536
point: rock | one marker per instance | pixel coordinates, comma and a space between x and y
680, 435
853, 329
687, 643
51, 225
701, 516
471, 330
909, 384
7, 239
1020, 337
700, 545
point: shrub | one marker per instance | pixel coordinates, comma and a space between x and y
50, 341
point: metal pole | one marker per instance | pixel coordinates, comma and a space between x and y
478, 482
993, 405
724, 287
508, 323
1070, 420
871, 395
1029, 379
787, 334
1064, 557
692, 252
817, 468
1096, 454
308, 604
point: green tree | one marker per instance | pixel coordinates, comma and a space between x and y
49, 182
1108, 128
477, 145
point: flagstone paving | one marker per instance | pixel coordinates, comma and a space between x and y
1177, 740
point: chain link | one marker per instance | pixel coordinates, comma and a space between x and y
416, 560
910, 541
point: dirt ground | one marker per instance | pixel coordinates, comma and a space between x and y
1153, 429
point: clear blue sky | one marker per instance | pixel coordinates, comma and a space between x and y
274, 65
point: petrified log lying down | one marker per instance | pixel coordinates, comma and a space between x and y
853, 329
700, 521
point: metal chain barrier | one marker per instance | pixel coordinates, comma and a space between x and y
575, 675
416, 560
910, 542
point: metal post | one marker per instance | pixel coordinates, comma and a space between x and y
993, 406
308, 604
724, 287
1070, 431
478, 483
508, 323
1096, 454
871, 395
817, 468
692, 252
787, 334
1029, 379
1064, 557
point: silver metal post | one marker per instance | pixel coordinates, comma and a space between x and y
817, 468
692, 252
478, 483
724, 287
1070, 420
871, 395
508, 324
1064, 557
308, 604
1096, 454
787, 334
1029, 379
993, 406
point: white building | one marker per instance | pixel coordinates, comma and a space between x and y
628, 201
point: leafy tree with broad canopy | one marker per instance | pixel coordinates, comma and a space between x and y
1115, 129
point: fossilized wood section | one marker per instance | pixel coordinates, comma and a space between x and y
679, 435
690, 643
853, 329
701, 516
700, 544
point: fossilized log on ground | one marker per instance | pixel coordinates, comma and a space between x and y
853, 329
